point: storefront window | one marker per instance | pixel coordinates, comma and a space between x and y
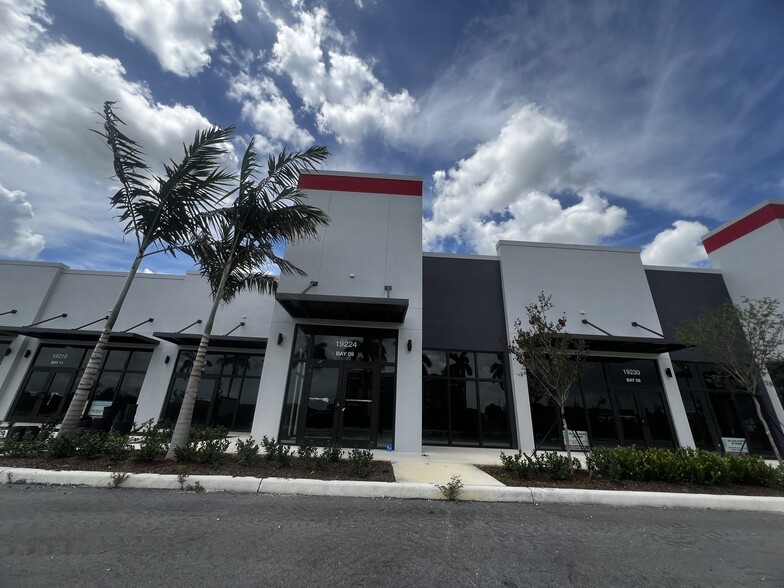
57, 370
464, 399
720, 419
616, 402
227, 392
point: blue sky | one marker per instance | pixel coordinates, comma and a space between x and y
635, 124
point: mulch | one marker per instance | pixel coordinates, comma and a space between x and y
581, 480
259, 468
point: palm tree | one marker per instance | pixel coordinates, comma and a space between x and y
239, 245
160, 212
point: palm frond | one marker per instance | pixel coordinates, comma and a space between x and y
191, 187
130, 168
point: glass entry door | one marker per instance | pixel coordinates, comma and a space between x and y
643, 418
342, 405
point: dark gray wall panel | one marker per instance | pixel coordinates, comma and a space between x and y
462, 304
681, 297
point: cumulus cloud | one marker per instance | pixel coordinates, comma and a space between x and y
348, 99
49, 91
679, 246
269, 112
178, 32
500, 192
16, 237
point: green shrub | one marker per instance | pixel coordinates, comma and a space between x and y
116, 446
205, 445
29, 445
684, 465
155, 442
90, 445
524, 466
62, 446
309, 454
360, 462
277, 451
247, 451
332, 453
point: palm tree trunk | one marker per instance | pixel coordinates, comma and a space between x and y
88, 381
767, 431
566, 435
182, 429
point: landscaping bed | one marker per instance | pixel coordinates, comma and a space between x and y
581, 480
258, 467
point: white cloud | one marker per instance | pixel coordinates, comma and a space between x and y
499, 192
16, 238
269, 112
678, 246
49, 91
178, 32
7, 150
348, 99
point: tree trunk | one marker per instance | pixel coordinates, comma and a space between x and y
182, 429
767, 431
90, 376
565, 431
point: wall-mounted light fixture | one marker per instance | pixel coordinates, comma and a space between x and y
167, 360
409, 345
280, 338
8, 351
668, 371
28, 353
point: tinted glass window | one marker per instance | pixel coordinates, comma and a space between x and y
490, 365
434, 363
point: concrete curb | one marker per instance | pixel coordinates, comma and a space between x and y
406, 490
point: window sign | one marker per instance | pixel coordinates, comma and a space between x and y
735, 445
97, 406
59, 357
347, 348
634, 373
578, 439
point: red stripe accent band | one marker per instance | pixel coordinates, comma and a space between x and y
758, 218
360, 184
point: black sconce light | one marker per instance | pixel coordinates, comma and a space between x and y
280, 338
27, 353
8, 351
167, 360
668, 371
409, 345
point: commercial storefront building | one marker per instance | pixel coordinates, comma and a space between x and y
380, 345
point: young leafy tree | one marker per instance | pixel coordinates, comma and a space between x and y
159, 212
741, 340
240, 244
552, 359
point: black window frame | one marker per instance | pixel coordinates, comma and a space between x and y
450, 377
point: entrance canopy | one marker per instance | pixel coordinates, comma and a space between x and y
192, 339
75, 335
345, 308
629, 344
